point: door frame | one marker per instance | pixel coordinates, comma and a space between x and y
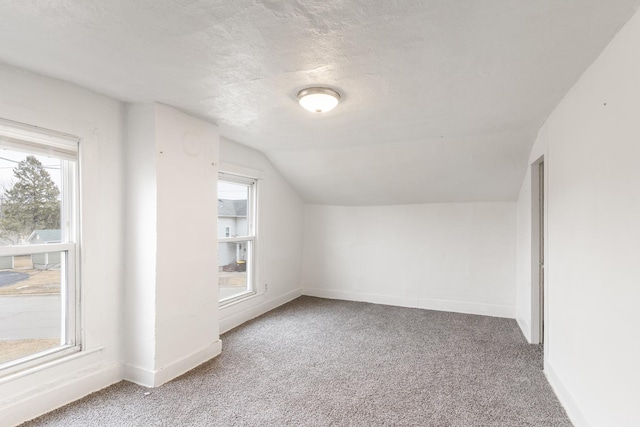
538, 231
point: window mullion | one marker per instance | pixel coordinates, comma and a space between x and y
236, 239
34, 249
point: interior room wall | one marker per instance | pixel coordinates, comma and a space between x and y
141, 223
591, 149
451, 256
280, 234
523, 263
98, 120
170, 282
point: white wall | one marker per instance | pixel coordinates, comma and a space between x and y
455, 256
523, 263
187, 277
591, 150
280, 234
49, 103
141, 223
171, 277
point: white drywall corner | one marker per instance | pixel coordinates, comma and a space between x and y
171, 295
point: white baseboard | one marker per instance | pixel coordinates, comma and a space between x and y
155, 378
361, 297
574, 412
424, 303
138, 375
525, 328
46, 399
493, 310
231, 317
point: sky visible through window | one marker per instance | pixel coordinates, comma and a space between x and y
231, 191
10, 159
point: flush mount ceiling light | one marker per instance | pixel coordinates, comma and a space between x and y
318, 99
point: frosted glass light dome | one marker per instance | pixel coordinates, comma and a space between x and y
318, 99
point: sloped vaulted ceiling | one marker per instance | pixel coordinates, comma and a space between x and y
441, 99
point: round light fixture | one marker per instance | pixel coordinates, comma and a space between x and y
318, 99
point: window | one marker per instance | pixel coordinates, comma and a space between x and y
236, 236
38, 229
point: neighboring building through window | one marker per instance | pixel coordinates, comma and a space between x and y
38, 229
236, 236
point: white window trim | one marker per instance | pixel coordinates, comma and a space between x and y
232, 174
241, 171
15, 135
35, 140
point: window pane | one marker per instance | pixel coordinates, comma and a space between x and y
31, 306
232, 209
233, 267
38, 307
30, 198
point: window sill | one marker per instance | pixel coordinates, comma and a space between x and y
238, 299
37, 363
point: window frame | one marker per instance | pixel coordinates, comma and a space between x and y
250, 238
65, 147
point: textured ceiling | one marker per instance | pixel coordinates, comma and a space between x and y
441, 99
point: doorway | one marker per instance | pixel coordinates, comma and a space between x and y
537, 251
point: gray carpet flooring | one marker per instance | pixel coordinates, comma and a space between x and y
317, 362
